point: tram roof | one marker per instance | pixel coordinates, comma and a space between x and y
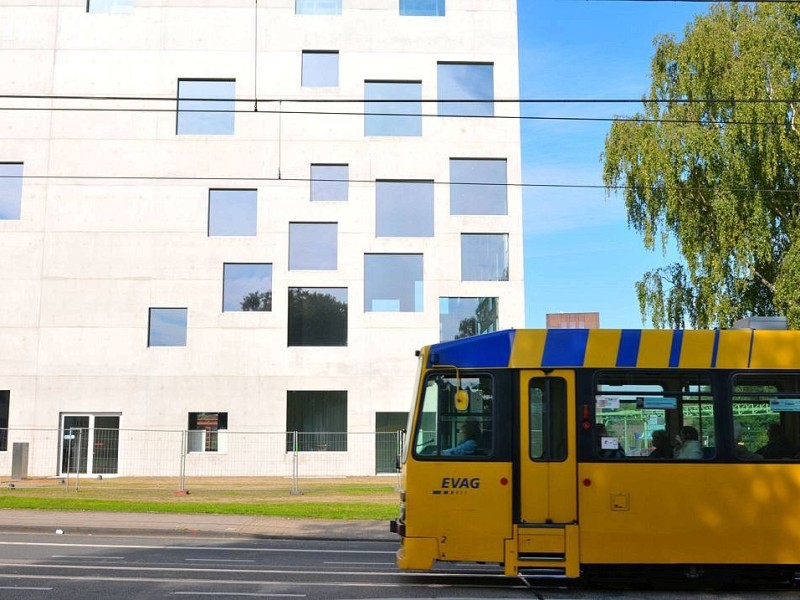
615, 348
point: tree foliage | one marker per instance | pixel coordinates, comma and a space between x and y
713, 162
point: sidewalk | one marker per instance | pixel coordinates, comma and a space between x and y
113, 523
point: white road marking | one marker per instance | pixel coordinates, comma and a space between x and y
224, 560
30, 589
188, 548
81, 557
372, 564
220, 594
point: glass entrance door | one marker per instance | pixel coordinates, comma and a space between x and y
89, 444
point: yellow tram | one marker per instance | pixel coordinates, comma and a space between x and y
590, 452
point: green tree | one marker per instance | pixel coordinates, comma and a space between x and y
713, 163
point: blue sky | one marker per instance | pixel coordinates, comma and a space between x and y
580, 255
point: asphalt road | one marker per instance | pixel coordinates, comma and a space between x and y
60, 567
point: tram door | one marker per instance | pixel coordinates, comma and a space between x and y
548, 489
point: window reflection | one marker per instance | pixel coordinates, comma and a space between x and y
232, 212
167, 327
247, 287
393, 283
10, 191
206, 107
484, 257
422, 8
385, 104
478, 187
329, 183
464, 317
466, 81
404, 208
312, 246
317, 316
320, 69
318, 7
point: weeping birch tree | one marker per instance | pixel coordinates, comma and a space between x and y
712, 163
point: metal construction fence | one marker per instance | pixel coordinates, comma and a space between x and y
87, 452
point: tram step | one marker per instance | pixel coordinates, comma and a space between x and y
542, 557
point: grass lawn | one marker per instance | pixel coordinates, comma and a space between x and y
372, 498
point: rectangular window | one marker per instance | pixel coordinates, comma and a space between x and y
547, 397
320, 69
10, 191
312, 246
317, 317
5, 397
484, 257
318, 7
422, 8
329, 183
109, 6
392, 108
443, 429
766, 417
464, 317
206, 106
478, 186
316, 421
167, 327
232, 212
393, 283
247, 287
404, 209
207, 432
654, 415
465, 89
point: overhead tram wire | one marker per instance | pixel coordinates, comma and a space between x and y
282, 111
178, 178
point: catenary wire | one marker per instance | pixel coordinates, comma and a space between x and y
370, 182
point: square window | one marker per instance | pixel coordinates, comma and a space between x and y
316, 421
404, 209
392, 108
320, 69
247, 287
329, 183
206, 106
467, 82
109, 6
232, 212
207, 432
393, 283
318, 7
484, 257
167, 327
317, 316
312, 246
422, 8
464, 317
10, 191
478, 187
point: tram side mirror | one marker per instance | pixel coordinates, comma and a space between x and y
462, 400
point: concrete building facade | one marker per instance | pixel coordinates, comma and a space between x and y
245, 216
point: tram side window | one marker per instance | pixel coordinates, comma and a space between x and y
443, 430
656, 415
548, 419
766, 417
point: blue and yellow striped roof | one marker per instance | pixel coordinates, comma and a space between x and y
639, 348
